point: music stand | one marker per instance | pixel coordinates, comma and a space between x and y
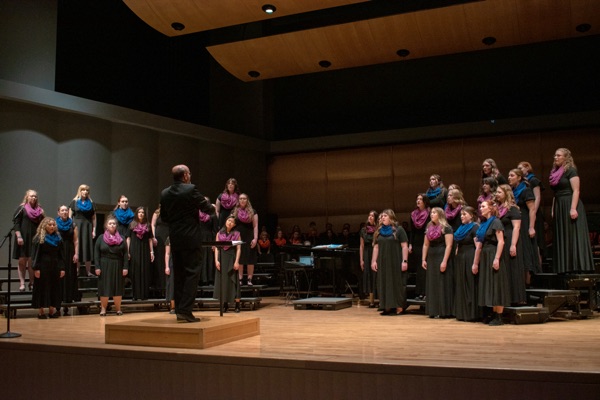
224, 243
8, 334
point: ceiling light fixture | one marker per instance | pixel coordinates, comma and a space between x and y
253, 74
403, 53
269, 8
488, 41
325, 63
583, 28
178, 26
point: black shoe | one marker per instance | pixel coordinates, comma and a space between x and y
496, 321
237, 308
385, 312
55, 315
225, 307
372, 305
187, 318
42, 316
65, 311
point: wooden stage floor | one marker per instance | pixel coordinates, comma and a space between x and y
356, 339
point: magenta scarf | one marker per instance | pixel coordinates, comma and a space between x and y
140, 230
112, 240
451, 213
433, 232
204, 217
223, 236
370, 229
34, 214
244, 216
483, 198
555, 175
419, 217
502, 210
228, 201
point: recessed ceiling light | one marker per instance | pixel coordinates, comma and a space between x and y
488, 41
253, 74
325, 63
403, 53
583, 28
178, 26
269, 8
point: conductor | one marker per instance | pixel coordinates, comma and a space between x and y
180, 204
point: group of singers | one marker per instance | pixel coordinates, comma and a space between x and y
466, 259
470, 263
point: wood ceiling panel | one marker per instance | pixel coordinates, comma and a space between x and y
203, 15
448, 30
541, 20
493, 18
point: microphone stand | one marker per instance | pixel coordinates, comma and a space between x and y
8, 334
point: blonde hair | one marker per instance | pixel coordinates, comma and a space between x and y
441, 216
27, 195
569, 162
251, 211
509, 196
41, 229
457, 195
79, 189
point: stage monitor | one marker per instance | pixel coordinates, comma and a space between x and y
306, 260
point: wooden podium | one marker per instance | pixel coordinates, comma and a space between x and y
165, 331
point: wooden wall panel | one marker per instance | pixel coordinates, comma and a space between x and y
342, 186
297, 185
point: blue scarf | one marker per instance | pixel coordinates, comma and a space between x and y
124, 216
518, 190
433, 193
52, 240
386, 230
84, 205
463, 231
483, 229
529, 176
64, 226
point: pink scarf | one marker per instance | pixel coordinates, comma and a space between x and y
433, 232
451, 213
419, 217
244, 216
228, 201
112, 240
228, 237
34, 214
555, 175
140, 230
204, 217
502, 210
370, 229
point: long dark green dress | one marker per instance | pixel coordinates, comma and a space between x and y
515, 265
440, 285
140, 272
231, 283
494, 287
369, 277
48, 260
111, 261
572, 250
69, 284
531, 255
83, 220
391, 281
465, 295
